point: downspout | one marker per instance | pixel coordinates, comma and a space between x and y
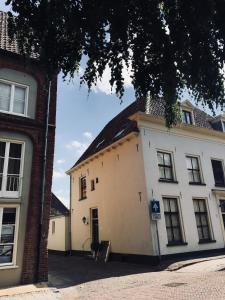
70, 217
41, 234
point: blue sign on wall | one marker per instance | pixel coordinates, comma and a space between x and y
155, 207
155, 210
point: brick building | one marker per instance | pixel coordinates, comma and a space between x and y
24, 218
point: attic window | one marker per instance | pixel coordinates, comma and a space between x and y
99, 144
119, 133
187, 117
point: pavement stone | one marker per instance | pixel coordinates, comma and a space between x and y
79, 279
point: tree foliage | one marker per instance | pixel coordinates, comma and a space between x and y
168, 44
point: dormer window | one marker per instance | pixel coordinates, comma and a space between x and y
13, 97
187, 117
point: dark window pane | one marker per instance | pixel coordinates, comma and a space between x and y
217, 167
2, 149
94, 213
14, 166
6, 253
15, 150
9, 216
1, 164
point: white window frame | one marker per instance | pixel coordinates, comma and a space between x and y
211, 233
192, 115
3, 192
13, 84
188, 155
17, 207
172, 162
180, 214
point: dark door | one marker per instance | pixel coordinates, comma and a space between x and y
95, 229
222, 207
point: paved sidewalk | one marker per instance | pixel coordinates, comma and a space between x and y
73, 278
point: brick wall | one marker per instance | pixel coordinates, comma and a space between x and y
35, 259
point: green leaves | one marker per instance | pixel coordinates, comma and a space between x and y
169, 45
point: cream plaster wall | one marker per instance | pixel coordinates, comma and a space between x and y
59, 240
180, 143
123, 214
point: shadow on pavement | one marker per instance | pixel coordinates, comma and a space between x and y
65, 271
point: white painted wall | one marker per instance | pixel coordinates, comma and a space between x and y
182, 142
59, 240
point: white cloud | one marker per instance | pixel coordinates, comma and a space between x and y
104, 86
88, 135
60, 161
59, 174
79, 147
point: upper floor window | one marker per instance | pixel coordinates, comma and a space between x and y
187, 117
10, 168
193, 167
8, 230
165, 166
13, 97
83, 187
218, 172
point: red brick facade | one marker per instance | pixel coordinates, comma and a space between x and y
35, 258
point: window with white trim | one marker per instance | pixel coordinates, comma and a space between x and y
8, 232
13, 97
193, 167
187, 117
10, 168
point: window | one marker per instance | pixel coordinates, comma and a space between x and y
13, 97
194, 173
165, 166
53, 227
172, 220
187, 117
201, 217
7, 235
83, 188
92, 185
218, 172
10, 168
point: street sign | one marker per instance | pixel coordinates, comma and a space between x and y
155, 210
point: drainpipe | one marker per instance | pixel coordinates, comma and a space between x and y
41, 234
70, 218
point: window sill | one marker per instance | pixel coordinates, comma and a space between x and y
177, 244
8, 267
197, 183
82, 198
220, 185
168, 181
206, 241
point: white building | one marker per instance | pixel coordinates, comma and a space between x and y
136, 159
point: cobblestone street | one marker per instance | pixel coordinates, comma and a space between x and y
78, 278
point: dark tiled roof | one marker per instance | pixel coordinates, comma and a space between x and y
5, 43
121, 126
57, 207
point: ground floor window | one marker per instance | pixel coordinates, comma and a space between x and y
8, 221
201, 216
172, 219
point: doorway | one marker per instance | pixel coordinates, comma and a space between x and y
222, 209
94, 225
